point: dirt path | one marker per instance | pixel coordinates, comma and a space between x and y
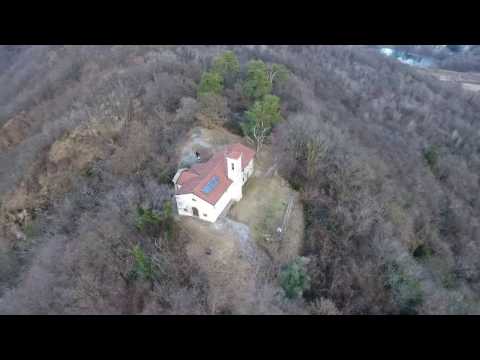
228, 257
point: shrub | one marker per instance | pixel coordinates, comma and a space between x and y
406, 290
88, 172
165, 176
147, 220
167, 219
430, 154
154, 223
294, 278
422, 252
143, 265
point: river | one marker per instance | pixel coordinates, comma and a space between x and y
408, 58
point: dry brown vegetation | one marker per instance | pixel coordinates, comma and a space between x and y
386, 161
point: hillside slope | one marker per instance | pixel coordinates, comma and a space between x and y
385, 159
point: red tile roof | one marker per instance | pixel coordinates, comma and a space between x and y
194, 179
233, 154
185, 176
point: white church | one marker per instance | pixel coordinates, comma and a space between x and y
206, 189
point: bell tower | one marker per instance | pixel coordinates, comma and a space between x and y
234, 167
234, 173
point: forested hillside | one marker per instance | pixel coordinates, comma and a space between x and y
386, 159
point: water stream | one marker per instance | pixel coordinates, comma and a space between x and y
408, 58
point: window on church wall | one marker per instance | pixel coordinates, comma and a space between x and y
233, 166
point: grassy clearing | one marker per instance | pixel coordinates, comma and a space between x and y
262, 209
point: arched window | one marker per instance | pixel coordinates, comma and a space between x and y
233, 166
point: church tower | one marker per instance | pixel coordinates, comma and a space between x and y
234, 173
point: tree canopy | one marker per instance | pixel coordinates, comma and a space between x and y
226, 65
294, 278
277, 73
211, 82
257, 83
261, 117
265, 112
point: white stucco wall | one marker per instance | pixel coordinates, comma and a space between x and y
248, 171
235, 173
224, 200
206, 211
